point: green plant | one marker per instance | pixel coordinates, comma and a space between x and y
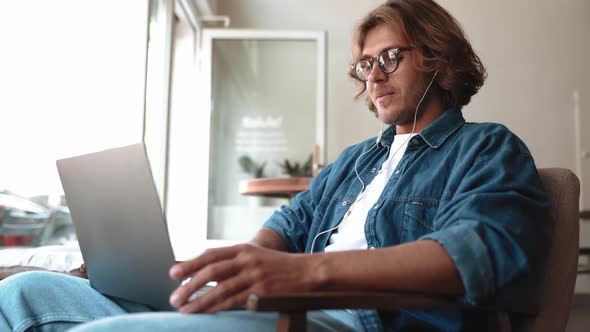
250, 166
295, 169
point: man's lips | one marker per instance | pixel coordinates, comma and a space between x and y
383, 95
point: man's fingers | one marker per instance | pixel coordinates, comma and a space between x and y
233, 302
182, 270
226, 294
213, 272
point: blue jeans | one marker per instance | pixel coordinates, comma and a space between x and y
45, 301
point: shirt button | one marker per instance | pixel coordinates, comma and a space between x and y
397, 172
373, 170
343, 203
376, 206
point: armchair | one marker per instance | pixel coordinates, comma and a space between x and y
555, 290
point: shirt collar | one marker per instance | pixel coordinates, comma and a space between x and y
436, 133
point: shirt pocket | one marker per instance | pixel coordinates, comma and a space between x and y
417, 220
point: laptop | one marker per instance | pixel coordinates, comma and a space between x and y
120, 225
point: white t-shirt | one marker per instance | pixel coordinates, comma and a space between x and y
350, 234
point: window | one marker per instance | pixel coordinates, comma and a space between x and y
72, 81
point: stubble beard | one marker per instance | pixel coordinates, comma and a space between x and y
397, 116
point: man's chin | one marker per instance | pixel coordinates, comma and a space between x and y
397, 119
391, 117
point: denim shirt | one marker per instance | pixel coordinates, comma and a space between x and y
472, 187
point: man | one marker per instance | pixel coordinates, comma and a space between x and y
443, 206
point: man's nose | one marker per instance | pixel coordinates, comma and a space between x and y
376, 74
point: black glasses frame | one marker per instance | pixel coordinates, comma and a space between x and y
371, 62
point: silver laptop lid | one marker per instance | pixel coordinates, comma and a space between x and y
120, 225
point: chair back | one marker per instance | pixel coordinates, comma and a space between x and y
559, 269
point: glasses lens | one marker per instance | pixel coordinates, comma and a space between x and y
388, 60
363, 69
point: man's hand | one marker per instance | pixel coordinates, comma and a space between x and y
239, 271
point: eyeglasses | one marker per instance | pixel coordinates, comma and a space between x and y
388, 61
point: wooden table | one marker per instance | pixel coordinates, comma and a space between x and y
275, 187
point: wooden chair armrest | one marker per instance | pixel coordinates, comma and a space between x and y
347, 300
292, 308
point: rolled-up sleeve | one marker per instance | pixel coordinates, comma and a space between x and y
495, 222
